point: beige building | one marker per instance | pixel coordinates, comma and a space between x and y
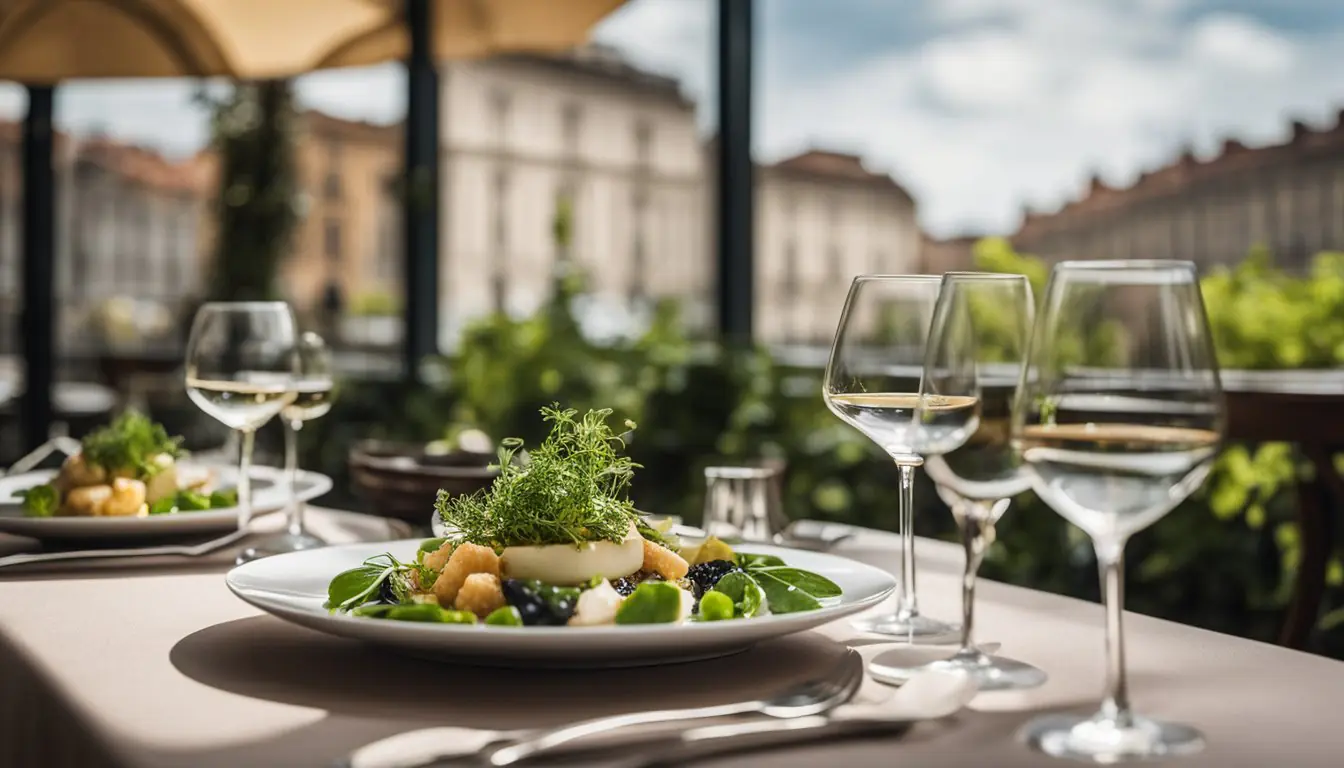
1288, 197
622, 147
822, 217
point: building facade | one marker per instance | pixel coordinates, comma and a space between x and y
1287, 197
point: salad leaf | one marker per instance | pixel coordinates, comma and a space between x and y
747, 561
653, 602
747, 596
432, 545
784, 597
358, 585
131, 441
40, 500
422, 612
227, 497
813, 584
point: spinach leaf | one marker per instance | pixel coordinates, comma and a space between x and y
813, 584
745, 592
165, 506
357, 585
784, 597
224, 498
191, 501
747, 561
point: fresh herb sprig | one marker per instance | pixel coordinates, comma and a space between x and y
571, 489
132, 441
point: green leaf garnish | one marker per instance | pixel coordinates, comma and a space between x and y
508, 616
131, 441
746, 561
40, 500
813, 584
745, 592
784, 597
194, 501
570, 490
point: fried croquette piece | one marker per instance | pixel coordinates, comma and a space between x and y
663, 561
465, 560
481, 593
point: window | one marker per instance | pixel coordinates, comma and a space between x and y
643, 143
570, 119
500, 103
331, 240
331, 185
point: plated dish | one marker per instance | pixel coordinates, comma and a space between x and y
130, 479
553, 563
555, 541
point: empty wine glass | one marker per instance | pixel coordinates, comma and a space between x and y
1118, 418
872, 384
977, 344
312, 388
240, 369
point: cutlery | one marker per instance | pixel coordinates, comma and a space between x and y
67, 445
808, 699
194, 550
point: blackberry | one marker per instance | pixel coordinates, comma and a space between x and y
540, 604
704, 576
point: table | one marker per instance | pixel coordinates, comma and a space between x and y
187, 675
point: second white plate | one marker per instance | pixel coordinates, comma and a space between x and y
269, 494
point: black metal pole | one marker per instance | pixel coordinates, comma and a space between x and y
421, 190
37, 325
736, 217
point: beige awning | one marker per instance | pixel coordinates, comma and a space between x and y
46, 41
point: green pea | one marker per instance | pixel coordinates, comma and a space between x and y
507, 616
716, 606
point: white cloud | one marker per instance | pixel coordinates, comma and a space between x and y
1238, 42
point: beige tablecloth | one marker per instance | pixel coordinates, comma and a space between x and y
159, 668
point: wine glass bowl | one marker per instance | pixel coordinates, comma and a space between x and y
872, 383
1118, 419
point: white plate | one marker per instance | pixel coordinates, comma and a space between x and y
269, 493
294, 587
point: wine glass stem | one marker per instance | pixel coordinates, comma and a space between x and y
292, 475
909, 605
1111, 563
245, 479
975, 524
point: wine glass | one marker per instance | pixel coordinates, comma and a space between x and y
872, 384
240, 369
312, 388
977, 344
1118, 418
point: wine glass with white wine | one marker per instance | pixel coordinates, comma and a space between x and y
240, 369
313, 390
977, 344
872, 384
1118, 419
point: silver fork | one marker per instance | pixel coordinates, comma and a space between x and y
193, 550
811, 698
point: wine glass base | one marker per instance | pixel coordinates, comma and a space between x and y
912, 628
1100, 739
990, 673
279, 544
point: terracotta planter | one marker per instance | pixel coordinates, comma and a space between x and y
401, 481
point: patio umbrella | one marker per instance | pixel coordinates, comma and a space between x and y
43, 42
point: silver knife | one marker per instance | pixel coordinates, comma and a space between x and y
194, 550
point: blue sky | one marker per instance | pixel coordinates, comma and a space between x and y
978, 106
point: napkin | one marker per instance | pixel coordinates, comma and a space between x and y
925, 696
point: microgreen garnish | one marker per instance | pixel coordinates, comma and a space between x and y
131, 441
571, 489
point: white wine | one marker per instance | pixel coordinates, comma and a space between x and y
888, 418
240, 404
312, 400
1112, 480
